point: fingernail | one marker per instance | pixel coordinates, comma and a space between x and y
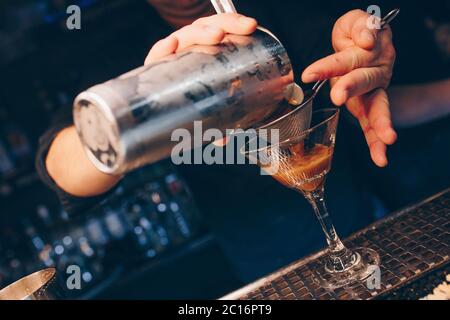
247, 21
369, 36
213, 30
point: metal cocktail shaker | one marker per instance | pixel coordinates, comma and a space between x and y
127, 122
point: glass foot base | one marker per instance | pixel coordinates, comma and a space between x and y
364, 263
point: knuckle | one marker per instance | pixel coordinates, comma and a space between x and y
388, 74
353, 14
355, 60
236, 16
202, 20
394, 54
213, 19
381, 78
380, 123
368, 77
337, 59
157, 44
215, 38
358, 12
180, 31
388, 31
391, 53
386, 79
372, 58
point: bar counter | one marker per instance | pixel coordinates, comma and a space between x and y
414, 247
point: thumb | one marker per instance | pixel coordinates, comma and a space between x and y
364, 32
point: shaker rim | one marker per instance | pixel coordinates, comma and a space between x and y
96, 100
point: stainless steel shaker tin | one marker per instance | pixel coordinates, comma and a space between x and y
41, 285
127, 122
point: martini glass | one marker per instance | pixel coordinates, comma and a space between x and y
301, 162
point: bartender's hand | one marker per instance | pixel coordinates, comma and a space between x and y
361, 70
204, 31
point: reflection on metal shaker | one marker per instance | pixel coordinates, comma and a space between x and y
127, 122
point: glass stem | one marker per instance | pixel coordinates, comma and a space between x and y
340, 257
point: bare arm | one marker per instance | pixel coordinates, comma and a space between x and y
418, 104
72, 171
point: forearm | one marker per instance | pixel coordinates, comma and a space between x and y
417, 104
68, 165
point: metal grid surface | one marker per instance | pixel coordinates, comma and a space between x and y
412, 244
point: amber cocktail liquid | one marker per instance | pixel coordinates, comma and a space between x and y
306, 169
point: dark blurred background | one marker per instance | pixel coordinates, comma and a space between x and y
192, 232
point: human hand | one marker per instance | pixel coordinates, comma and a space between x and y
204, 31
361, 70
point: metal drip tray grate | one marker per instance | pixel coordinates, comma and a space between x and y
413, 244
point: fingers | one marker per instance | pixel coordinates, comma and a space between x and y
353, 24
230, 23
359, 82
338, 64
379, 115
362, 68
377, 149
205, 31
198, 34
161, 49
376, 146
363, 36
183, 38
356, 27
